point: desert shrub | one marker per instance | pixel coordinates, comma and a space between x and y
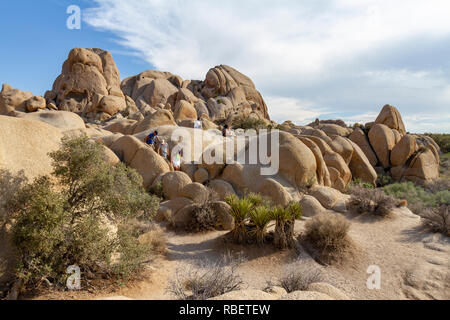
207, 280
9, 185
374, 201
437, 219
240, 210
431, 195
442, 140
328, 234
249, 123
79, 217
299, 276
157, 190
149, 234
260, 217
358, 183
430, 202
204, 218
384, 180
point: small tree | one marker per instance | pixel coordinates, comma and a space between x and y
78, 217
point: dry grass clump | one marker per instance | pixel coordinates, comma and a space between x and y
328, 235
156, 239
437, 219
207, 280
299, 276
373, 201
204, 218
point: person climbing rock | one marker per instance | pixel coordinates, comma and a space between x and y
152, 140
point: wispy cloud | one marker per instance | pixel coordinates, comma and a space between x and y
334, 53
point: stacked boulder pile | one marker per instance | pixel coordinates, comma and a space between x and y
380, 147
321, 158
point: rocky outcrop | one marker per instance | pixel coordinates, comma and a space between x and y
390, 117
359, 137
63, 120
13, 101
89, 85
223, 94
25, 144
382, 140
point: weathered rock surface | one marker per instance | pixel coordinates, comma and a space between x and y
25, 144
382, 140
89, 85
390, 117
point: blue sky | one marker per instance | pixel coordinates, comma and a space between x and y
310, 58
35, 42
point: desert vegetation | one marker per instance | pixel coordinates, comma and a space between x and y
252, 215
297, 277
442, 140
207, 279
326, 235
430, 201
366, 199
80, 215
249, 124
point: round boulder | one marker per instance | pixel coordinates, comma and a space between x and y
174, 182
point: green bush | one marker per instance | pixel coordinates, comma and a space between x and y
157, 190
442, 140
416, 194
71, 217
249, 123
431, 202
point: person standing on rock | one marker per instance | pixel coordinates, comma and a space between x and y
164, 150
226, 131
153, 139
198, 124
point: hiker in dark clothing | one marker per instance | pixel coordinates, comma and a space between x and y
226, 131
153, 139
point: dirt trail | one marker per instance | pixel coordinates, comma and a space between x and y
414, 264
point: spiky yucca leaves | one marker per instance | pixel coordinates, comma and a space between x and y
260, 216
285, 223
240, 210
258, 200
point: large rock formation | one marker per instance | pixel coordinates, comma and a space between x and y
89, 85
14, 100
224, 93
382, 145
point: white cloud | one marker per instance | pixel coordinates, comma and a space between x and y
284, 46
299, 112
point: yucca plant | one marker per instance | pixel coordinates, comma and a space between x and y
285, 223
258, 200
240, 210
260, 216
